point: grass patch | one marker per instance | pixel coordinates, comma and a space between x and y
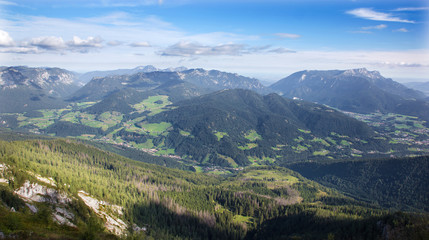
111, 118
248, 146
185, 133
321, 141
252, 136
322, 152
198, 169
338, 135
242, 219
153, 104
155, 129
229, 160
332, 141
220, 135
304, 131
270, 176
83, 105
146, 145
169, 151
70, 117
299, 148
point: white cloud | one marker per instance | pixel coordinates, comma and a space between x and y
20, 50
84, 45
5, 39
140, 44
48, 43
90, 42
7, 3
412, 9
190, 49
287, 35
403, 64
187, 49
381, 26
281, 50
401, 30
368, 13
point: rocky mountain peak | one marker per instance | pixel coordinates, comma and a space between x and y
362, 72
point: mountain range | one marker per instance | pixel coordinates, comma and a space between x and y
88, 76
237, 141
24, 89
203, 80
195, 114
356, 90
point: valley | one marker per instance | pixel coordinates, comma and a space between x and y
201, 159
398, 135
151, 201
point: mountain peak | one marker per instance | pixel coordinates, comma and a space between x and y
362, 72
148, 68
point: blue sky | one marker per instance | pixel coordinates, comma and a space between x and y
265, 39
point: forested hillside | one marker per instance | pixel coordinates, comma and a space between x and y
170, 203
393, 183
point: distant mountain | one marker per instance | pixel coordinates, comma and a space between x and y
216, 80
230, 126
86, 77
356, 90
121, 100
192, 81
24, 89
421, 86
99, 88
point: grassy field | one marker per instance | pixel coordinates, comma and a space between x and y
153, 104
274, 178
155, 129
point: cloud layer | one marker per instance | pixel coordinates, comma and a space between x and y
48, 43
368, 13
287, 35
190, 49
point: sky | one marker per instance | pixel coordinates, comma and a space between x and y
266, 39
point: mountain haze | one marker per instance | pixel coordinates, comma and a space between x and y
421, 86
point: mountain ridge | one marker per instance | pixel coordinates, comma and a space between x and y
355, 90
26, 89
